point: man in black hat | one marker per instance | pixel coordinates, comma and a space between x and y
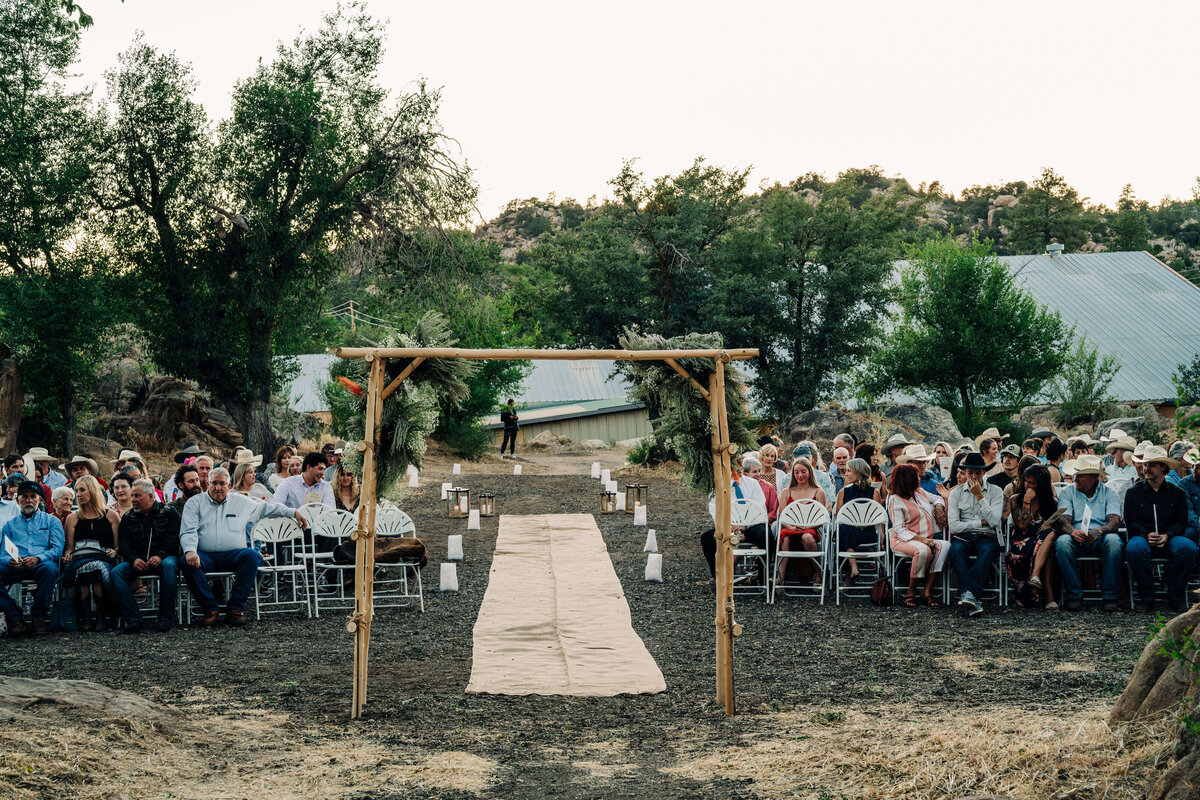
33, 543
974, 508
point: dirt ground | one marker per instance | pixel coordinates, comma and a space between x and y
850, 701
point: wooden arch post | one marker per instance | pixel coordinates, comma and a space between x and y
376, 358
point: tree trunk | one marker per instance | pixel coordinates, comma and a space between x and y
253, 418
12, 396
68, 416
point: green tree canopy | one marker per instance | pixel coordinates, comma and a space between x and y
968, 335
1050, 210
1131, 226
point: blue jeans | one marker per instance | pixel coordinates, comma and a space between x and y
46, 575
123, 578
243, 563
1108, 548
1181, 555
973, 578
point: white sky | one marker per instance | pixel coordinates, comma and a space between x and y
551, 96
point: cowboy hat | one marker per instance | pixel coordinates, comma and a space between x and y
126, 455
973, 460
1121, 443
1141, 447
895, 440
914, 452
1068, 468
1113, 435
1085, 438
1041, 433
990, 433
1011, 450
244, 456
37, 454
1088, 465
1192, 457
189, 450
1155, 454
92, 466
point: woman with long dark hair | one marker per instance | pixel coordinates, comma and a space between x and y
910, 512
1030, 560
870, 454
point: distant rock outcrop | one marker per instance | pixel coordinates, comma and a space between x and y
919, 422
170, 413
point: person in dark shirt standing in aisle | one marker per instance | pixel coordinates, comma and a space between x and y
508, 415
1156, 517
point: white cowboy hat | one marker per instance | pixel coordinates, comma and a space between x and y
914, 452
990, 433
1086, 438
1121, 443
1155, 454
895, 440
1088, 465
37, 454
1113, 435
1068, 468
127, 455
92, 466
244, 456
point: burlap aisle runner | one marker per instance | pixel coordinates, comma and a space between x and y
554, 618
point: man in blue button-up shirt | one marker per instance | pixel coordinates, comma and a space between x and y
38, 538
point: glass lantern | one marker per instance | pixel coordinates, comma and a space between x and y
458, 502
608, 502
636, 494
487, 504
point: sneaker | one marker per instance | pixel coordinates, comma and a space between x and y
1074, 604
967, 599
1108, 606
977, 610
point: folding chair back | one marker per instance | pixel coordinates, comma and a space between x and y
396, 585
745, 513
391, 521
313, 512
806, 513
283, 583
861, 513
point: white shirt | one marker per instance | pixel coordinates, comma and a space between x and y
751, 490
293, 492
209, 527
968, 515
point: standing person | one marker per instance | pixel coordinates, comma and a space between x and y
149, 546
309, 486
92, 541
1156, 518
1092, 505
39, 539
974, 509
508, 415
213, 536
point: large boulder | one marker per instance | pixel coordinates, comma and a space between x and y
821, 424
1131, 425
172, 412
925, 422
21, 695
121, 385
918, 422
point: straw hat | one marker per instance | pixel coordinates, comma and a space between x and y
1155, 454
1068, 468
126, 455
1121, 443
895, 440
1141, 448
92, 466
1113, 435
914, 453
1088, 465
244, 456
37, 454
990, 433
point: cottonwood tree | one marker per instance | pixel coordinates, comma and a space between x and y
53, 274
967, 335
234, 245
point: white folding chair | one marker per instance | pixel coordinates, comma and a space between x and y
313, 512
285, 572
803, 514
749, 557
398, 591
861, 513
332, 528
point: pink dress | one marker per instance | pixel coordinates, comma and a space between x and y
910, 518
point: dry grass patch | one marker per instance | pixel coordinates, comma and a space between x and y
974, 666
899, 753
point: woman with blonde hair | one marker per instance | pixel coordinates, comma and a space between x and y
90, 551
859, 486
246, 482
768, 454
345, 489
801, 485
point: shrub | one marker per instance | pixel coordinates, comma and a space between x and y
1081, 386
640, 452
1187, 381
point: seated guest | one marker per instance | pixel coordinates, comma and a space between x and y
808, 449
1119, 470
911, 531
1014, 490
892, 448
204, 465
859, 487
307, 487
1009, 457
768, 455
1179, 452
345, 494
11, 484
187, 483
295, 466
1056, 454
1044, 436
750, 465
149, 546
244, 480
188, 455
1156, 517
282, 456
1028, 561
39, 539
41, 457
1091, 518
122, 494
974, 510
64, 503
1031, 447
1113, 435
801, 486
841, 457
743, 488
91, 552
867, 452
333, 457
8, 507
915, 455
1079, 445
81, 465
214, 537
845, 440
988, 444
1191, 488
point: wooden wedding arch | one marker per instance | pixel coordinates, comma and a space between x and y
376, 358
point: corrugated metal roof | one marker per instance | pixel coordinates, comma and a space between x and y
552, 413
304, 392
571, 382
1127, 304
